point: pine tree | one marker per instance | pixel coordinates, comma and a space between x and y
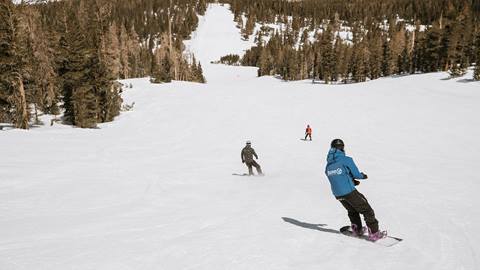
96, 98
79, 100
110, 50
40, 78
416, 50
376, 53
327, 64
200, 77
432, 51
304, 39
447, 52
249, 27
456, 62
108, 100
161, 72
404, 62
338, 58
239, 22
456, 70
264, 63
201, 7
359, 63
397, 46
124, 51
13, 104
386, 56
476, 73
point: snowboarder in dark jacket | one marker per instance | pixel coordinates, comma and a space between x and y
247, 157
343, 174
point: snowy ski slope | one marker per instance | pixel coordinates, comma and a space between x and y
154, 189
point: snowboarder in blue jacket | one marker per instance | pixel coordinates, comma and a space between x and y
343, 174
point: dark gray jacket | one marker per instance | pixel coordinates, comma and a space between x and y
247, 154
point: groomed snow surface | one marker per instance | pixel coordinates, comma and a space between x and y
154, 189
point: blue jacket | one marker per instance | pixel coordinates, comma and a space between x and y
341, 170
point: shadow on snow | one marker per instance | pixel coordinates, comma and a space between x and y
317, 227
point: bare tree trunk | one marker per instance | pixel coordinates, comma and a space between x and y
36, 113
412, 45
20, 103
440, 21
170, 46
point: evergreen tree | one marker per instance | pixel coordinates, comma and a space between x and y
456, 69
125, 51
39, 76
376, 54
199, 73
476, 73
359, 63
264, 63
161, 72
106, 71
327, 64
13, 104
404, 62
78, 92
416, 51
432, 50
343, 65
239, 21
397, 46
338, 59
387, 54
249, 27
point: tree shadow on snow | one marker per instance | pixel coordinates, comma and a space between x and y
6, 126
317, 227
466, 81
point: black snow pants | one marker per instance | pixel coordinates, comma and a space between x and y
357, 204
251, 164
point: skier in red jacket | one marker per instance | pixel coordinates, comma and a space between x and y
308, 132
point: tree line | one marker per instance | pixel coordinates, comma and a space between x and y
386, 38
65, 56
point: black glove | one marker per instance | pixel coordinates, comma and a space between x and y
356, 182
364, 176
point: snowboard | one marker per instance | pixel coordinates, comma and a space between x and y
387, 241
246, 174
302, 139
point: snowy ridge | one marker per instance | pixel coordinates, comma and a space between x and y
154, 189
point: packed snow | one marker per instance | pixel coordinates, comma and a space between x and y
154, 189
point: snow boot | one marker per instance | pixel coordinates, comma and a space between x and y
357, 232
377, 235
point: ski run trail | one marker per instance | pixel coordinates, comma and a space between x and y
154, 189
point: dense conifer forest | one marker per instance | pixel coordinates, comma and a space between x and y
65, 56
386, 37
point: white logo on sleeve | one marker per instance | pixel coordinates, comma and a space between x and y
337, 171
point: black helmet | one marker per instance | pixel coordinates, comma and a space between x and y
338, 144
